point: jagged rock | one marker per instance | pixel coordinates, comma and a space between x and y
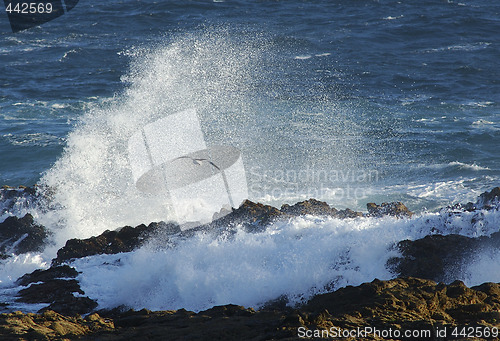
396, 209
311, 206
50, 326
348, 213
431, 256
398, 304
318, 208
70, 305
60, 294
408, 301
252, 216
53, 286
125, 239
21, 235
489, 199
256, 216
438, 257
57, 272
49, 291
256, 213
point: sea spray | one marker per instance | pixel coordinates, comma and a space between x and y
92, 184
239, 83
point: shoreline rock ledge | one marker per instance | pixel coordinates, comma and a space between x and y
402, 304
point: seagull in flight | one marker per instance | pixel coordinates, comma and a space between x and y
197, 161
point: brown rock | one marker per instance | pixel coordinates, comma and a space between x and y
396, 209
49, 326
125, 239
398, 304
21, 235
252, 216
437, 257
311, 206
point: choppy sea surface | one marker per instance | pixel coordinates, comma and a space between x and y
348, 102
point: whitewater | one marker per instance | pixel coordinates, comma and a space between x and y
90, 189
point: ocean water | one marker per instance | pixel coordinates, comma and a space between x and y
349, 102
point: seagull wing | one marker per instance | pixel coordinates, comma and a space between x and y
183, 157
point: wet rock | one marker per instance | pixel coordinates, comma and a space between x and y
49, 291
348, 213
406, 302
318, 208
21, 235
395, 209
431, 257
125, 239
255, 213
57, 272
489, 200
311, 206
21, 197
57, 287
256, 216
252, 216
70, 305
438, 257
60, 294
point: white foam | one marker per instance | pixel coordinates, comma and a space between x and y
482, 104
394, 18
467, 166
439, 189
484, 267
18, 265
33, 139
462, 47
296, 258
452, 164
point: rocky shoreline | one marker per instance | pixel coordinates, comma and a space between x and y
399, 305
413, 301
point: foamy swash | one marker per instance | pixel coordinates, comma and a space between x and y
292, 258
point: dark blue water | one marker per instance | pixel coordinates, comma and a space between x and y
407, 90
